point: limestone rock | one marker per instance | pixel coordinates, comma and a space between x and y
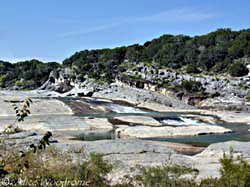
59, 80
167, 131
143, 120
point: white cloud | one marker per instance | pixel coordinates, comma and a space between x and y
87, 30
177, 15
180, 15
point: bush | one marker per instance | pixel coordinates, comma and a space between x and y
36, 169
191, 86
238, 70
95, 170
2, 80
247, 99
191, 68
222, 66
53, 167
235, 172
19, 83
165, 176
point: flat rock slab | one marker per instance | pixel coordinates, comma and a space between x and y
30, 93
38, 107
127, 154
107, 147
181, 147
132, 153
167, 131
65, 123
139, 96
144, 120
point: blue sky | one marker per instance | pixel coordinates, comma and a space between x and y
51, 30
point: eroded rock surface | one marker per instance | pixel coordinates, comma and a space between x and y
154, 132
142, 120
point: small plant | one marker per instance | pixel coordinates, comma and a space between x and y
24, 111
243, 86
42, 143
15, 164
21, 113
165, 176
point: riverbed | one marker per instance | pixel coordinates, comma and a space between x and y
111, 110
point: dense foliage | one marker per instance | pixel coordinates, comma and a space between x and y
25, 75
215, 52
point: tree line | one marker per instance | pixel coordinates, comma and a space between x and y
221, 51
215, 52
28, 74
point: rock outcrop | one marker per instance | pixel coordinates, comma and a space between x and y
60, 80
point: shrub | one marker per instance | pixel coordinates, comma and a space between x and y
247, 99
36, 169
19, 83
54, 167
210, 182
3, 79
238, 70
95, 170
191, 68
235, 172
191, 86
165, 176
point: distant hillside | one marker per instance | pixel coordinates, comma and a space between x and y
215, 52
222, 51
25, 75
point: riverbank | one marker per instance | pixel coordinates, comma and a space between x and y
115, 122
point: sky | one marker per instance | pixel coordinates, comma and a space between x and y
52, 30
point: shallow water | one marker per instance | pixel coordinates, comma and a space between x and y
240, 133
